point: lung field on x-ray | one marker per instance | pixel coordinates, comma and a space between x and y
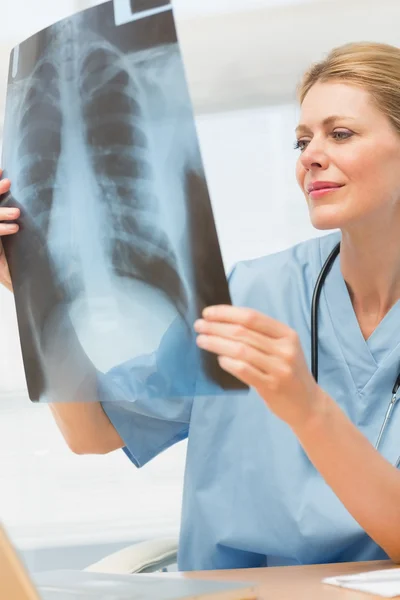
115, 134
99, 163
39, 147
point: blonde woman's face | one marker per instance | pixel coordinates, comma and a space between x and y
344, 140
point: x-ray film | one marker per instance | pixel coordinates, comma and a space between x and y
117, 242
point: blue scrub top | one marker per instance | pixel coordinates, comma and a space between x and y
252, 498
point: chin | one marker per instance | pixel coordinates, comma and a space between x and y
327, 218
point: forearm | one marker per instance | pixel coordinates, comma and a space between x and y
73, 389
81, 419
366, 483
86, 427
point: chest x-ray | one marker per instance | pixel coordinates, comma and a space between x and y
117, 237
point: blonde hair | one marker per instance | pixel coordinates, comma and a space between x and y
373, 66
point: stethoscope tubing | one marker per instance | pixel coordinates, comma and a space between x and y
314, 341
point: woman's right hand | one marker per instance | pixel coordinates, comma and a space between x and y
6, 214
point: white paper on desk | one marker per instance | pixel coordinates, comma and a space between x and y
385, 583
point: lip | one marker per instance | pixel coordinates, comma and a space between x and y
322, 185
319, 193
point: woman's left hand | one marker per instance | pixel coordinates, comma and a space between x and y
264, 354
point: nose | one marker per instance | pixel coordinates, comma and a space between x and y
314, 156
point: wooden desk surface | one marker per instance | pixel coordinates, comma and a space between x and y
298, 583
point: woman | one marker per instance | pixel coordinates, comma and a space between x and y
288, 473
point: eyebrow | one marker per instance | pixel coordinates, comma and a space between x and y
325, 122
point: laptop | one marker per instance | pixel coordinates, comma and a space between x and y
17, 584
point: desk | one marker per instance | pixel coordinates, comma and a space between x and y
297, 583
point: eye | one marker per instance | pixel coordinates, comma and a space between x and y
300, 145
342, 135
337, 135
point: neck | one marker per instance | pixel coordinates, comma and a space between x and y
370, 265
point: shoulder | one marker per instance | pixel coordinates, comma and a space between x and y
282, 276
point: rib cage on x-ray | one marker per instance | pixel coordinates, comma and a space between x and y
118, 189
40, 143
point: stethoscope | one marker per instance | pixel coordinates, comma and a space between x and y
314, 341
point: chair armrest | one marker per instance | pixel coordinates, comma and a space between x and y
144, 557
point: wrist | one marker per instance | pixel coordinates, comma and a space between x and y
316, 417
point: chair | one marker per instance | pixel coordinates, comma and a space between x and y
144, 557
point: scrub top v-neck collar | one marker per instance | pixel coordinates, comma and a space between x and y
363, 357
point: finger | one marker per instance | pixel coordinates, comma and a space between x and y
9, 214
238, 333
237, 351
247, 317
246, 373
5, 185
8, 228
